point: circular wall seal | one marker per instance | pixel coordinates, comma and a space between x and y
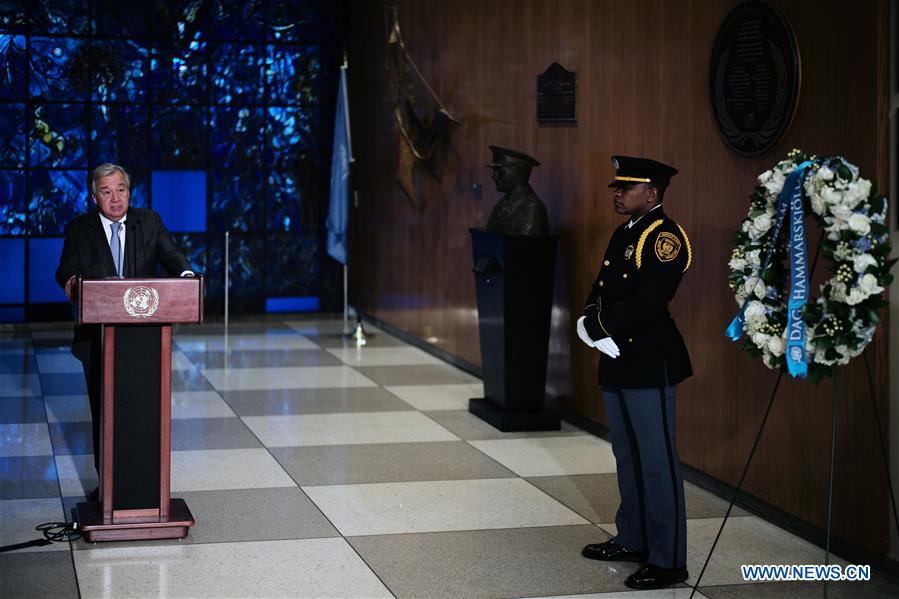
754, 77
141, 301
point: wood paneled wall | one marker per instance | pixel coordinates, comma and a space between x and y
642, 69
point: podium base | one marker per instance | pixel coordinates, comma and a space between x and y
508, 422
176, 526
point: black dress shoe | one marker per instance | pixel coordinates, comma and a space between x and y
610, 551
654, 577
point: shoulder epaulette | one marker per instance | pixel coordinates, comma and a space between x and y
642, 241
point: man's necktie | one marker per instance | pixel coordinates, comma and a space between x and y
116, 246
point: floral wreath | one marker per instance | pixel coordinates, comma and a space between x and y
842, 320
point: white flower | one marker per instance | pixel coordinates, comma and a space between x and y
861, 262
838, 292
860, 223
776, 345
737, 263
760, 339
760, 290
841, 212
755, 313
825, 173
868, 284
831, 196
856, 296
764, 177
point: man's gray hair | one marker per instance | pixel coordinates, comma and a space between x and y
106, 169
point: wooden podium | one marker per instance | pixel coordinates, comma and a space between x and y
135, 317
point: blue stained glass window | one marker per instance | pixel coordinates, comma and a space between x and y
291, 264
58, 68
285, 203
12, 15
178, 72
179, 137
245, 268
12, 203
293, 74
236, 73
12, 135
57, 137
43, 260
120, 134
118, 71
236, 19
140, 187
237, 137
56, 197
194, 247
178, 19
237, 201
289, 134
12, 67
180, 199
12, 263
117, 18
59, 16
292, 20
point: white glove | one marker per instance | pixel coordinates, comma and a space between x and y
607, 346
582, 332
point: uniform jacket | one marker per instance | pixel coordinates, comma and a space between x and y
85, 252
640, 273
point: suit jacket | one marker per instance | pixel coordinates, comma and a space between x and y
640, 274
86, 252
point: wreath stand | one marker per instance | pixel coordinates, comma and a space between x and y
833, 444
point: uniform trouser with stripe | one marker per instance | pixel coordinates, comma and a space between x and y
651, 516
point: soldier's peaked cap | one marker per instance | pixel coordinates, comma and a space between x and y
506, 157
630, 170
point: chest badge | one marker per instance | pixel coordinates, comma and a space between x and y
629, 252
667, 246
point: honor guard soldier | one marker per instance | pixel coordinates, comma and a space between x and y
643, 359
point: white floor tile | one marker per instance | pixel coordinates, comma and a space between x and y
243, 342
181, 361
383, 356
57, 362
67, 408
551, 456
18, 440
12, 385
293, 568
393, 508
346, 429
200, 404
77, 475
214, 469
311, 377
679, 593
18, 517
438, 397
745, 540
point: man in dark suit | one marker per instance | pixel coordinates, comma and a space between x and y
113, 240
626, 317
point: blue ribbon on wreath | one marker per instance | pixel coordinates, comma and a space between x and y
789, 204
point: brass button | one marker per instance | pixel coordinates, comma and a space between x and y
605, 262
624, 275
601, 283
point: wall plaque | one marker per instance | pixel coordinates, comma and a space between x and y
754, 77
557, 95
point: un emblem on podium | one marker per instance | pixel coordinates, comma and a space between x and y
141, 301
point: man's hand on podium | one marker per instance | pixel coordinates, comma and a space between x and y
69, 285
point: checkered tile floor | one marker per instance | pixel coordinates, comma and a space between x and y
317, 469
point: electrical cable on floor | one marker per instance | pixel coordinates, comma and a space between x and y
54, 532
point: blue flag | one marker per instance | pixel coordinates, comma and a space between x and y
340, 176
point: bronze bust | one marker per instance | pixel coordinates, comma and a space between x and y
519, 211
